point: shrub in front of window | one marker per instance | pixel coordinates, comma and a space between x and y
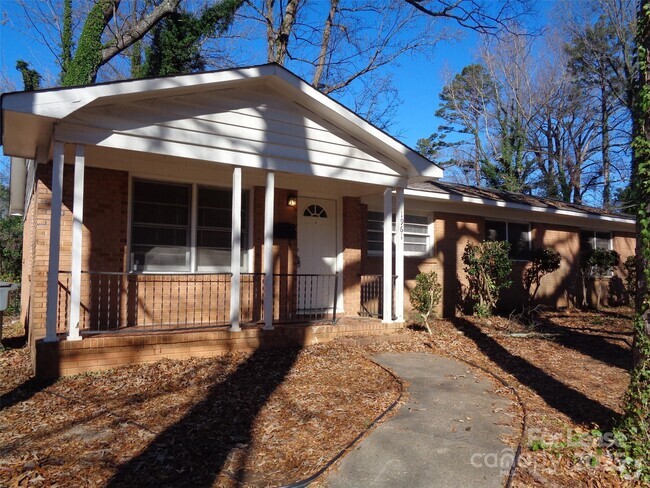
630, 278
542, 262
488, 269
595, 264
426, 295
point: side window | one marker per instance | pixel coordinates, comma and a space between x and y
517, 234
417, 234
590, 239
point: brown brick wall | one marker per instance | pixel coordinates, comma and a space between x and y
560, 289
104, 233
354, 221
100, 353
284, 249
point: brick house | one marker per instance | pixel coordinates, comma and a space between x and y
235, 209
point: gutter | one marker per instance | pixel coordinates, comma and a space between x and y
515, 206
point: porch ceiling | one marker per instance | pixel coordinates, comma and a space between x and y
262, 117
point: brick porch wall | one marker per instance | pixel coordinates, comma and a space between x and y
104, 232
354, 221
94, 354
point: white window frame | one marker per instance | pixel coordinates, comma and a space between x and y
429, 234
247, 251
610, 241
508, 222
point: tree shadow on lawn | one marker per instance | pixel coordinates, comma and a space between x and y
27, 389
194, 450
24, 391
574, 404
594, 345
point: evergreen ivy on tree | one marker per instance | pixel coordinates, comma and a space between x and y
633, 434
31, 77
176, 41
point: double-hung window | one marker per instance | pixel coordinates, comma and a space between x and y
517, 234
173, 232
590, 240
417, 234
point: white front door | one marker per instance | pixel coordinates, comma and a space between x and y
316, 255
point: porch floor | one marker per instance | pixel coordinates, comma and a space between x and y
111, 349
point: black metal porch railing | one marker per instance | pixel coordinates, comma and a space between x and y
113, 301
303, 298
372, 295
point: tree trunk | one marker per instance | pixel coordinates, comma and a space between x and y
279, 48
324, 46
635, 422
604, 114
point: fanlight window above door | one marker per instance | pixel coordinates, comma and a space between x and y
315, 211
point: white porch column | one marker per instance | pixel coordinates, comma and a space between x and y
268, 250
388, 256
77, 228
55, 243
235, 255
399, 255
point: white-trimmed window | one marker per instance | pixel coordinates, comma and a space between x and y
516, 233
417, 234
163, 228
591, 239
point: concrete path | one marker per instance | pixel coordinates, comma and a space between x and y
447, 434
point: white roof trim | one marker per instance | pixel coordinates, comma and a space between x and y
515, 206
60, 103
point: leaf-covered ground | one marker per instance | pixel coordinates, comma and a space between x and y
262, 419
272, 417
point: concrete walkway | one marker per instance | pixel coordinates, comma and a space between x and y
447, 434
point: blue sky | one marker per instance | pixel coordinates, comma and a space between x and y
418, 78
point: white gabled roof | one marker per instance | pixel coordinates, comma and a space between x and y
29, 118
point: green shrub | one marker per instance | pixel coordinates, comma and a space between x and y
488, 269
542, 262
426, 295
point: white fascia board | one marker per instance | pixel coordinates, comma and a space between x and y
415, 164
515, 206
61, 102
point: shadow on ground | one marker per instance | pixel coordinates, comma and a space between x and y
574, 404
591, 342
212, 440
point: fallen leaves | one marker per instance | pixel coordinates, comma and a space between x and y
246, 419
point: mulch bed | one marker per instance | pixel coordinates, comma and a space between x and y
272, 417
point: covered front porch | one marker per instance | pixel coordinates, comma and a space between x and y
293, 254
222, 200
